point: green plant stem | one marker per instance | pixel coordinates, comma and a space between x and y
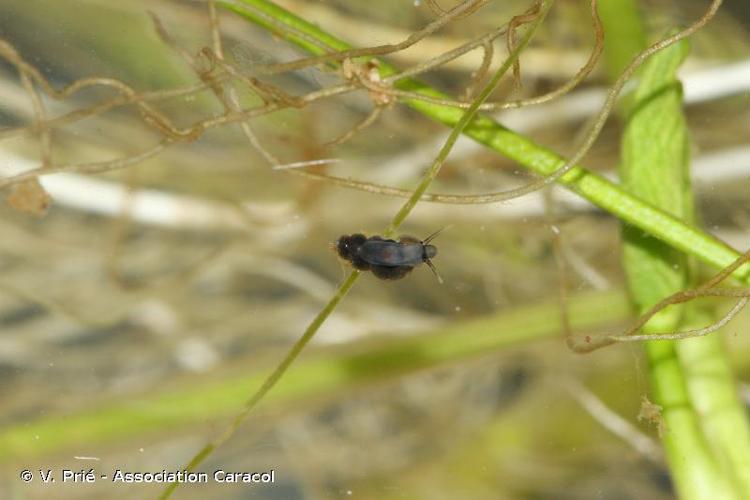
271, 380
466, 118
537, 159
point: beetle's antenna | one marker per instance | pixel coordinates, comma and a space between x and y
435, 234
434, 269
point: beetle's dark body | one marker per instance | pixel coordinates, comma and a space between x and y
387, 259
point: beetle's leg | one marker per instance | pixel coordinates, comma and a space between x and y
391, 272
434, 270
359, 263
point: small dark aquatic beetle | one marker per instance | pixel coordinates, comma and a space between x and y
388, 259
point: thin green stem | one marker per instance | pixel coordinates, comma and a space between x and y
460, 126
271, 380
605, 194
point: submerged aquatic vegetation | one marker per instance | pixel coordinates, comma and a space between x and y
270, 248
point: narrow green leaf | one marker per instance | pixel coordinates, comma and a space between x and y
713, 392
655, 162
323, 374
655, 166
625, 37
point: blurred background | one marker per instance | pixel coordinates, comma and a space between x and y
141, 302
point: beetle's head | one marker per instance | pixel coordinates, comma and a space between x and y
430, 251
